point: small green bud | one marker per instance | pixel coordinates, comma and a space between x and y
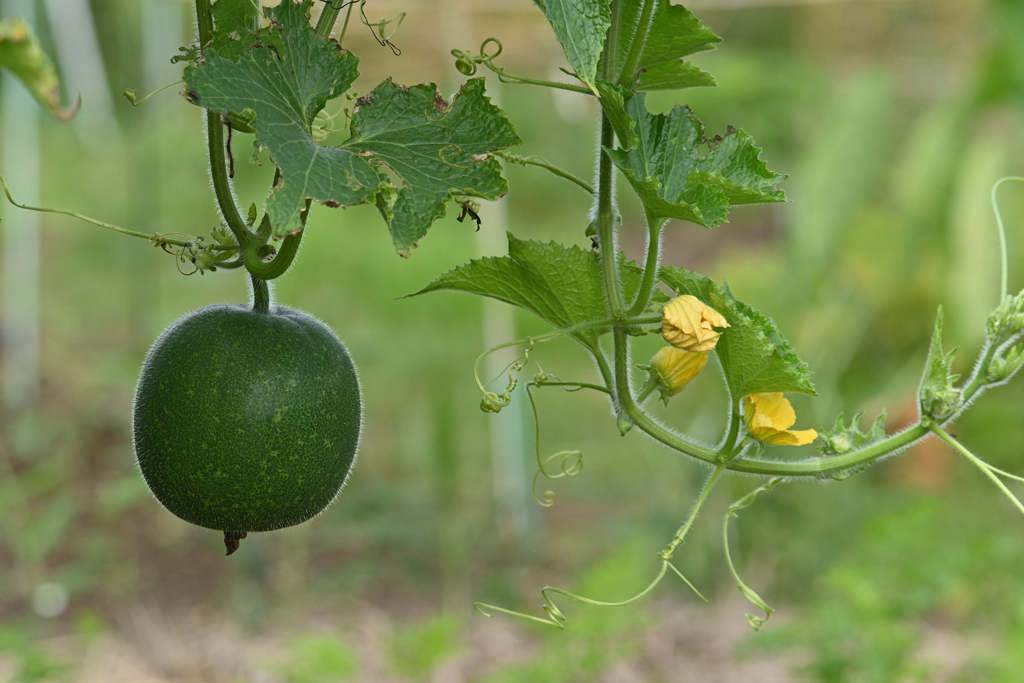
843, 438
1005, 367
251, 218
465, 66
624, 425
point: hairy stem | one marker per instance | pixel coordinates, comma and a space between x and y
546, 165
979, 463
215, 139
509, 78
260, 295
977, 381
329, 15
271, 270
157, 239
806, 468
680, 536
734, 426
650, 277
626, 404
606, 222
829, 465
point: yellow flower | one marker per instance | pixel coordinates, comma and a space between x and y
675, 368
769, 417
688, 324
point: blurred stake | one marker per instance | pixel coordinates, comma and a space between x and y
83, 72
19, 331
510, 456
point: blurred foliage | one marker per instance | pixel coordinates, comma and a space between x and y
893, 120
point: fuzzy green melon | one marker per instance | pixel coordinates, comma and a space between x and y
246, 421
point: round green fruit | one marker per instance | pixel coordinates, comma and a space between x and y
246, 421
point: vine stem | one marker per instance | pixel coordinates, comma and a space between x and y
328, 17
344, 26
522, 80
680, 536
557, 619
215, 140
546, 165
977, 462
249, 243
155, 239
734, 425
816, 467
606, 221
1002, 233
260, 295
650, 276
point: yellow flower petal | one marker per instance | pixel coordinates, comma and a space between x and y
775, 407
804, 436
769, 416
689, 324
676, 368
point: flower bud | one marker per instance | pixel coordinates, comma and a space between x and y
674, 368
689, 324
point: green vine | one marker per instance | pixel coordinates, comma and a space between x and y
411, 154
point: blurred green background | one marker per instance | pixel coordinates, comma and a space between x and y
893, 119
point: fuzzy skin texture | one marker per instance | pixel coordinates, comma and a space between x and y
244, 421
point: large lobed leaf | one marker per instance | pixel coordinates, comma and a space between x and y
438, 149
755, 356
661, 159
234, 19
562, 285
286, 73
673, 33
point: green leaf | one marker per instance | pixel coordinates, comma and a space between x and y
580, 26
754, 355
284, 77
20, 53
671, 177
437, 149
843, 438
233, 21
675, 76
560, 284
937, 397
674, 32
613, 101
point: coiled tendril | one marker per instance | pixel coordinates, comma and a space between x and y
555, 617
467, 63
733, 512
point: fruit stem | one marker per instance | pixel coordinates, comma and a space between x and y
260, 298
